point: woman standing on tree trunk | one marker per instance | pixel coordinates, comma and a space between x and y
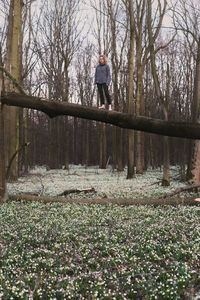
102, 80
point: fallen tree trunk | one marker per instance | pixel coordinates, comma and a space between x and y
73, 191
180, 190
123, 120
106, 201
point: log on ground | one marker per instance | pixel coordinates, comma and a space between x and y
108, 201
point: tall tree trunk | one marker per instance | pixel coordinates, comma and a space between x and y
21, 142
58, 135
16, 73
2, 150
51, 154
34, 139
86, 143
139, 94
103, 46
130, 171
117, 136
160, 96
66, 121
193, 173
142, 133
75, 137
7, 80
67, 144
114, 154
26, 137
150, 149
151, 155
20, 129
120, 167
27, 87
166, 163
103, 152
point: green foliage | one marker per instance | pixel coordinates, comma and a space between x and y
56, 251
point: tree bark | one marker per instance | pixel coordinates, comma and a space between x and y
194, 164
2, 152
53, 108
166, 164
26, 83
160, 96
139, 142
86, 143
107, 201
67, 144
130, 171
78, 191
26, 137
2, 158
16, 73
112, 11
75, 145
103, 46
7, 80
51, 142
139, 84
66, 121
103, 148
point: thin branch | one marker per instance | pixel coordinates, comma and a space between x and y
166, 45
14, 81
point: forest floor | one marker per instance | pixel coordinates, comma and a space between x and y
73, 251
106, 183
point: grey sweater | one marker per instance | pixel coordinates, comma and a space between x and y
102, 74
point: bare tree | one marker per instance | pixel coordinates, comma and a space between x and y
102, 34
15, 67
163, 100
56, 47
186, 19
129, 8
194, 165
85, 92
114, 12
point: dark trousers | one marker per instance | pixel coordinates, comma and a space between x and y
103, 89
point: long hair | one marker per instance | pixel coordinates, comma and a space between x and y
104, 59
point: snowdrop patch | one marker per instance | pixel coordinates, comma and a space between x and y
107, 182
